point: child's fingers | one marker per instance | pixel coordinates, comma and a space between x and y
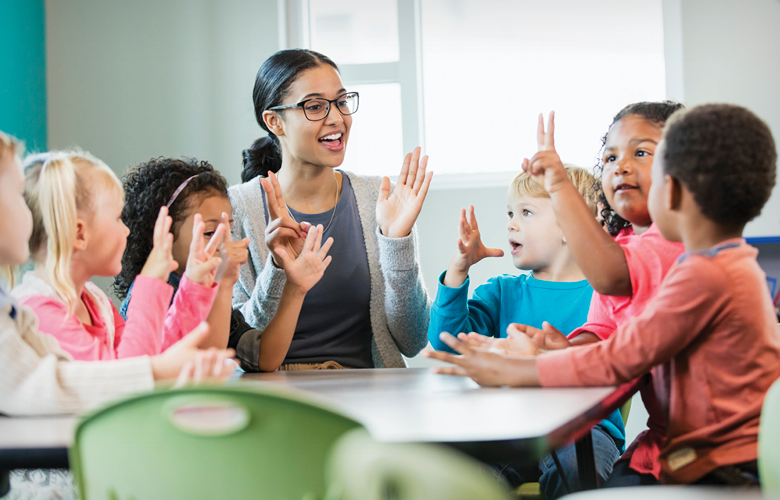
197, 374
226, 221
526, 165
443, 356
158, 227
494, 252
473, 218
462, 248
326, 262
540, 132
216, 240
184, 375
196, 245
455, 344
549, 138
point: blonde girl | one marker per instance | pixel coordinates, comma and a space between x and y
76, 202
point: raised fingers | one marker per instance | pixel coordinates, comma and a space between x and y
198, 227
418, 181
274, 210
473, 218
549, 137
325, 248
216, 240
413, 167
540, 139
226, 222
404, 169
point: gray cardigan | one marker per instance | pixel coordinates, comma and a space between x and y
399, 306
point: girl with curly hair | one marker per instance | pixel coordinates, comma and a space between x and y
76, 202
194, 193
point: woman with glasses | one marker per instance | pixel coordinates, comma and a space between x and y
371, 305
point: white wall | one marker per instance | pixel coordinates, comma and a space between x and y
133, 80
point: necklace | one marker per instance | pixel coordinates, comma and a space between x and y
331, 215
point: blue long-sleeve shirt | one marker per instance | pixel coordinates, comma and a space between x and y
509, 299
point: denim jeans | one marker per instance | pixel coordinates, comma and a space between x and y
605, 453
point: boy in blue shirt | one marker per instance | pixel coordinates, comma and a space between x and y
555, 291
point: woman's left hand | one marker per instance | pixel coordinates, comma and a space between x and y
397, 212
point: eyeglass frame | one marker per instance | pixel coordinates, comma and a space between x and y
303, 103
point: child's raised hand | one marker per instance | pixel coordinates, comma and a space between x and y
545, 166
203, 261
282, 232
470, 250
548, 338
306, 270
160, 262
235, 252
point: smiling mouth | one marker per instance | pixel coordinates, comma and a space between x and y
622, 188
334, 142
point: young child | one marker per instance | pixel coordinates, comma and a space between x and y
194, 189
188, 188
36, 376
626, 271
556, 291
76, 201
709, 335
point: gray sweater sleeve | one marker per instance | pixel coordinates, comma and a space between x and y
260, 283
407, 303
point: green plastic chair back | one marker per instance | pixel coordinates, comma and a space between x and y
769, 442
625, 410
207, 442
359, 468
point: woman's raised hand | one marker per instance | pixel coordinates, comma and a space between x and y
282, 232
545, 166
305, 270
203, 260
397, 212
160, 262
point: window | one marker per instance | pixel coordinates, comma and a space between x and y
466, 80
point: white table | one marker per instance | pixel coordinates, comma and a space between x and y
396, 405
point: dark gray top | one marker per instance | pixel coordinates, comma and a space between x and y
335, 320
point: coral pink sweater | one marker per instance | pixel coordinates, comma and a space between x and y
151, 327
711, 339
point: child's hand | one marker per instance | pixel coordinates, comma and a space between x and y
210, 366
171, 363
546, 166
484, 367
236, 253
202, 263
306, 270
470, 250
160, 262
514, 346
547, 339
282, 231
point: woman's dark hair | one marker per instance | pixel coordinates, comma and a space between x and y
726, 156
655, 112
149, 186
272, 83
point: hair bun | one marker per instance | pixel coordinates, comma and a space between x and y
261, 157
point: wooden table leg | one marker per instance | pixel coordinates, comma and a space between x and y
586, 464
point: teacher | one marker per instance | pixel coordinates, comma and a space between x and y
371, 305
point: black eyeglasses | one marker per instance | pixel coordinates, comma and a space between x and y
317, 109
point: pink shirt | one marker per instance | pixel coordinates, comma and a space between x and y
649, 257
710, 337
151, 327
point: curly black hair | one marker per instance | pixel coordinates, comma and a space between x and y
725, 155
655, 112
149, 186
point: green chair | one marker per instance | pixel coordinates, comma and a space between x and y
769, 442
359, 468
207, 442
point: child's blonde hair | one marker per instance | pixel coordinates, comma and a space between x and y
525, 185
57, 186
